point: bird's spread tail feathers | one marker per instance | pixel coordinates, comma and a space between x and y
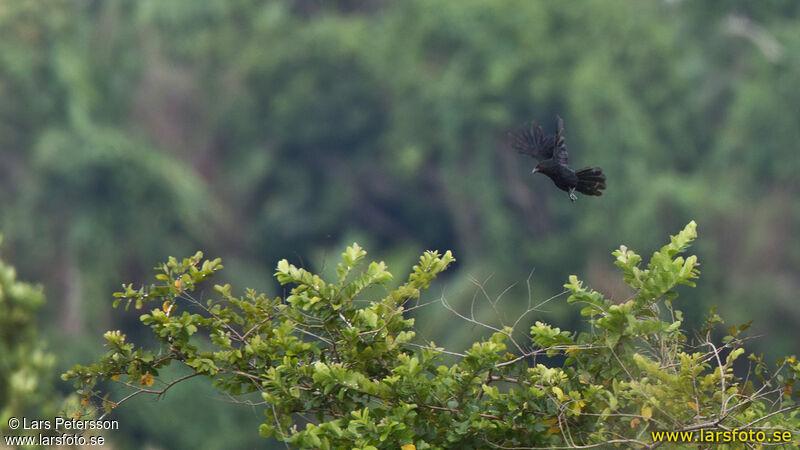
591, 181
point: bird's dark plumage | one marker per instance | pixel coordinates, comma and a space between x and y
551, 153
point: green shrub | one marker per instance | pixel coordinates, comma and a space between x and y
25, 387
336, 372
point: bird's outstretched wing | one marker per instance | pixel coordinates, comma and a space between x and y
559, 153
532, 141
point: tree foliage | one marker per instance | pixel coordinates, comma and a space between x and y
338, 366
257, 130
25, 363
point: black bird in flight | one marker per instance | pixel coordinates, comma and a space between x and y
551, 153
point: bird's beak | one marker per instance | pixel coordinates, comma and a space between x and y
535, 169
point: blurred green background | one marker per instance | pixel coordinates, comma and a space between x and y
254, 131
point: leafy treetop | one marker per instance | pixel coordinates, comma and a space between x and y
334, 371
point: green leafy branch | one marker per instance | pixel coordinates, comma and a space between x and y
351, 372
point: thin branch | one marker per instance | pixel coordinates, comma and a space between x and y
158, 393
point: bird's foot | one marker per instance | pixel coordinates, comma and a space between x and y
572, 195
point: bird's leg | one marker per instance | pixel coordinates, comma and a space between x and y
572, 195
